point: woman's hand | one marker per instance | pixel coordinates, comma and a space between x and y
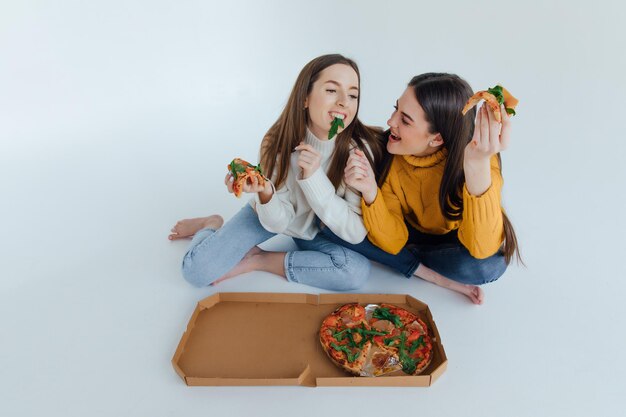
490, 137
308, 159
360, 176
252, 186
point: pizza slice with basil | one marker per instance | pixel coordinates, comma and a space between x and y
416, 348
407, 337
345, 336
242, 172
494, 97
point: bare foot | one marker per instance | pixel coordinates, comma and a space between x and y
189, 227
245, 265
473, 292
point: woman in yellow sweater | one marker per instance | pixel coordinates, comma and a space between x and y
435, 210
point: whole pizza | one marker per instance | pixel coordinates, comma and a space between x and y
375, 339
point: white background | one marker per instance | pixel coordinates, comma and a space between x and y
117, 118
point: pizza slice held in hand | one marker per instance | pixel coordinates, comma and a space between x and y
242, 172
494, 97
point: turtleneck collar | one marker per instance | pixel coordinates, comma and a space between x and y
324, 147
427, 161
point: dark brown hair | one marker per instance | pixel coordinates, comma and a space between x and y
290, 128
442, 96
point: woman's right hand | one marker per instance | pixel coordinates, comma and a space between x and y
360, 176
251, 187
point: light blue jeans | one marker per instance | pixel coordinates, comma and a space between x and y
319, 262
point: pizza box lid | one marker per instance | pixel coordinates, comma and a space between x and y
273, 339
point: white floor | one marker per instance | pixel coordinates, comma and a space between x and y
93, 306
116, 121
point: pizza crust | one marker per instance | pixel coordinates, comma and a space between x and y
509, 102
489, 98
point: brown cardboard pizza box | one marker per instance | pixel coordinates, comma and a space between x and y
273, 339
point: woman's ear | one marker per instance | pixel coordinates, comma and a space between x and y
306, 103
436, 140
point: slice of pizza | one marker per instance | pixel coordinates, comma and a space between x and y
380, 361
352, 314
242, 172
494, 97
350, 358
415, 348
343, 336
407, 337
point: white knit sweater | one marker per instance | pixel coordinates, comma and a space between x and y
292, 209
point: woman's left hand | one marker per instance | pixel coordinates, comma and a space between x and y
490, 136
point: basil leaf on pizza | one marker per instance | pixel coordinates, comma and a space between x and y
494, 97
243, 172
384, 314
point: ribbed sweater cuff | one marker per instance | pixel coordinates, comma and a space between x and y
480, 209
317, 188
270, 207
374, 211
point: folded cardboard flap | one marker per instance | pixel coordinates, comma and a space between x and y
273, 339
340, 299
265, 297
382, 381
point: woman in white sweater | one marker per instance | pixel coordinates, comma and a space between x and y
306, 192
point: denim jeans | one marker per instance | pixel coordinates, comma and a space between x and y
444, 254
319, 262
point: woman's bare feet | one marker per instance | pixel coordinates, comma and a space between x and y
258, 260
189, 227
247, 264
473, 292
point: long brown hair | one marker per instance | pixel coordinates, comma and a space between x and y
290, 128
442, 96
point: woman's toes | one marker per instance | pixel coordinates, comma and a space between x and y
476, 295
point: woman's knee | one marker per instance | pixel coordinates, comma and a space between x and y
194, 274
490, 269
354, 272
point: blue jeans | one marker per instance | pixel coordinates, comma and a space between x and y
319, 262
444, 254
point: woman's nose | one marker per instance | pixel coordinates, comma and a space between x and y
342, 98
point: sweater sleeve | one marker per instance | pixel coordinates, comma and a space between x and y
341, 215
384, 220
276, 215
482, 229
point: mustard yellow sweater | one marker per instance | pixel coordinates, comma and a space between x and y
411, 192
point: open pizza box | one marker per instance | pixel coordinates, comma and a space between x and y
273, 339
